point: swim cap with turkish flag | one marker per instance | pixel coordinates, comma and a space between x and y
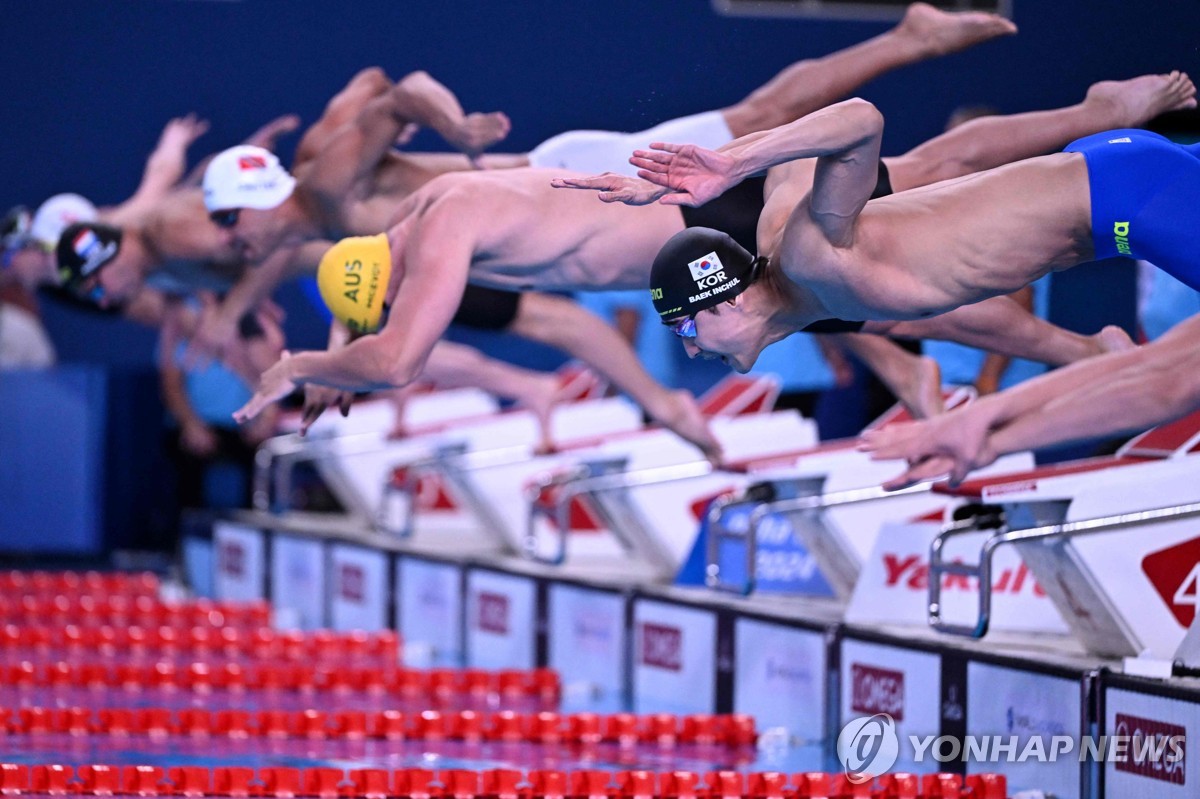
246, 177
353, 280
696, 269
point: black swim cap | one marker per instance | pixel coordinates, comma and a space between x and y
697, 269
83, 248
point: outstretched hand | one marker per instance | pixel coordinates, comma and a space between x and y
272, 386
694, 174
317, 399
614, 188
180, 132
686, 420
952, 444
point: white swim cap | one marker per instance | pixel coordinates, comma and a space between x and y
246, 177
56, 214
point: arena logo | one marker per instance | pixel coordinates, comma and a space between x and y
352, 582
912, 571
661, 646
1121, 237
877, 691
231, 559
492, 613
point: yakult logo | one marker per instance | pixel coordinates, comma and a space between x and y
912, 571
707, 271
492, 613
867, 747
662, 647
877, 691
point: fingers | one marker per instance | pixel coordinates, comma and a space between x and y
251, 409
344, 403
654, 156
666, 147
655, 167
606, 181
653, 177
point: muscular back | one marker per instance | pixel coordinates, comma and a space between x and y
527, 235
928, 250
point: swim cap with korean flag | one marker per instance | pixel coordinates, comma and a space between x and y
696, 269
353, 279
246, 177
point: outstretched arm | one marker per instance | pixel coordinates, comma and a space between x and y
433, 257
164, 169
1119, 392
844, 138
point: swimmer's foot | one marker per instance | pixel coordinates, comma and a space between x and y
939, 33
540, 397
1138, 100
1113, 339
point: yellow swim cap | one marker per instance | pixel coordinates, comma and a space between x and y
353, 279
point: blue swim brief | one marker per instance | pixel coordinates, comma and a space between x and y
1145, 193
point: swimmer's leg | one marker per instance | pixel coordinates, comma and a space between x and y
344, 107
916, 380
989, 142
812, 84
564, 324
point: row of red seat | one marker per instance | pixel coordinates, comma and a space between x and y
332, 783
136, 642
662, 729
15, 584
432, 684
119, 610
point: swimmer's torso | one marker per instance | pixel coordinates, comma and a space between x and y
932, 249
524, 234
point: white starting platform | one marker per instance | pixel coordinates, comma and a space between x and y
1028, 602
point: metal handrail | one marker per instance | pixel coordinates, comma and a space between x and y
982, 571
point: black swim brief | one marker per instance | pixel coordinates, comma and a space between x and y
484, 308
735, 213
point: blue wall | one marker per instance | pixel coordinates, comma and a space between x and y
88, 84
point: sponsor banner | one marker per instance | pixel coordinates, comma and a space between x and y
587, 645
901, 683
501, 628
779, 677
1007, 702
358, 588
893, 587
782, 563
239, 555
1154, 734
674, 658
429, 612
298, 582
